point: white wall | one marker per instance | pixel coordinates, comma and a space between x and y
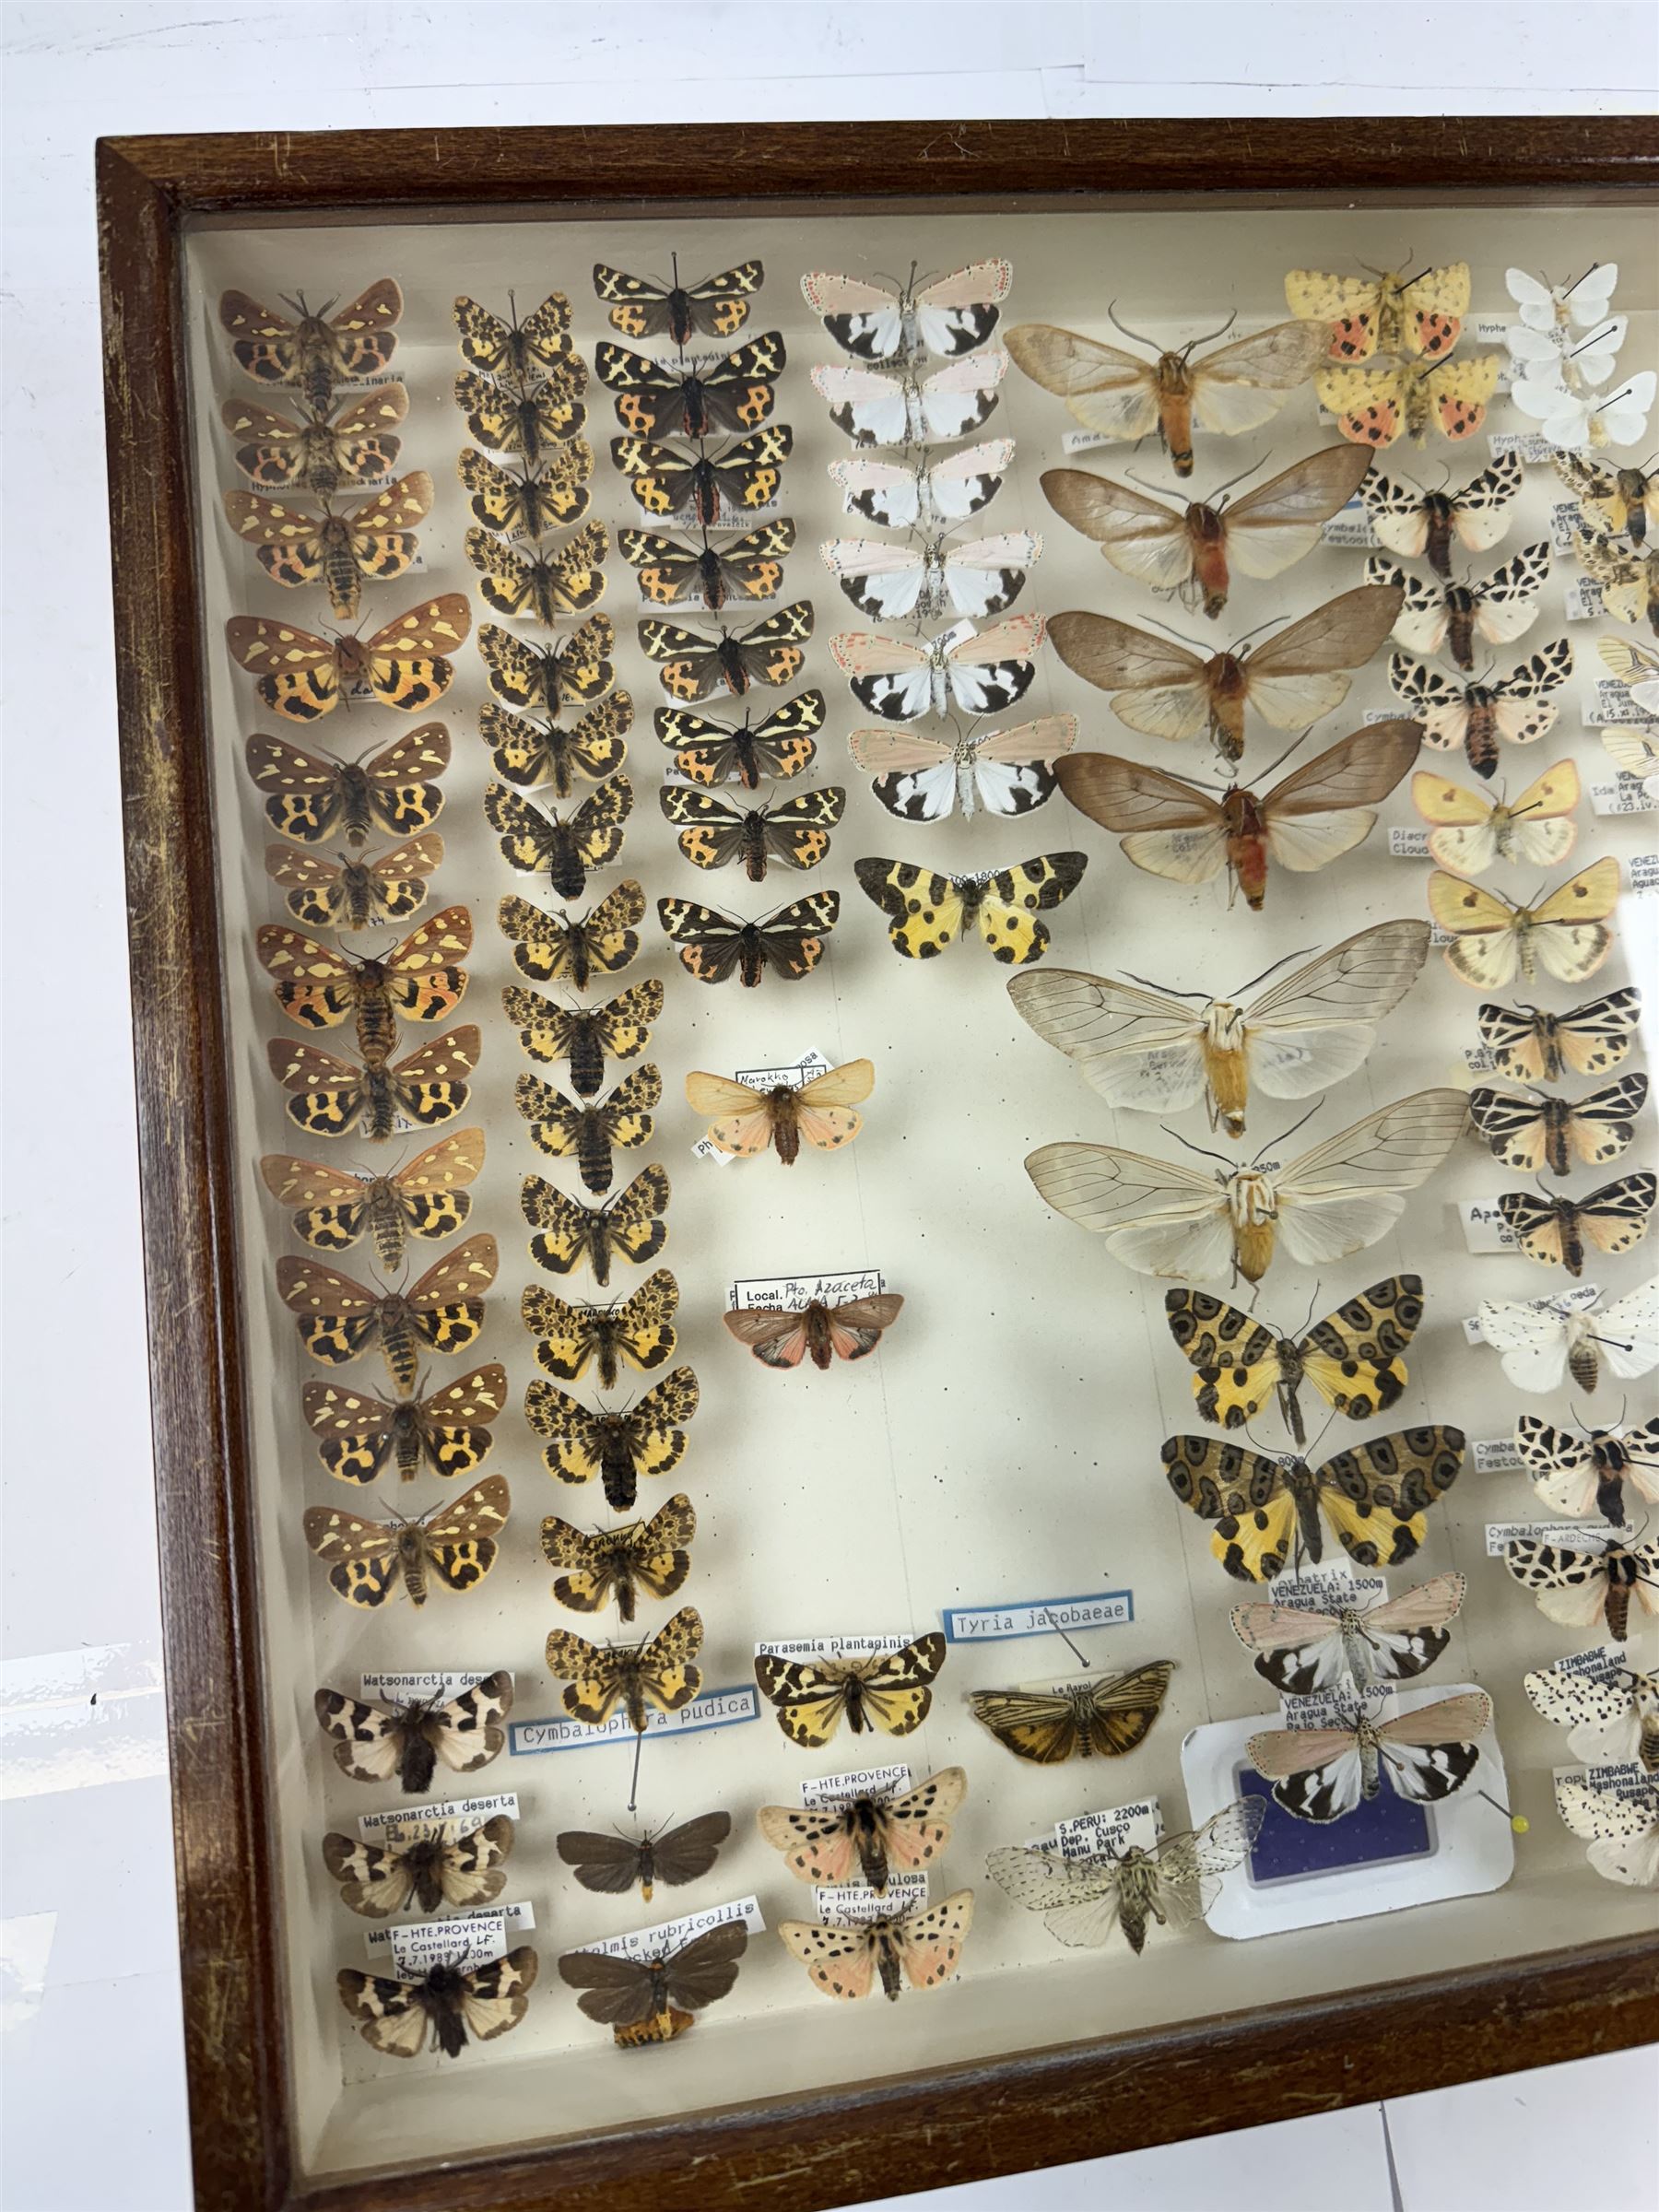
89, 1987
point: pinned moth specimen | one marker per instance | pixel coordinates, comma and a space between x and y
714, 307
922, 1948
1160, 1217
778, 745
1626, 576
1301, 1650
1158, 1051
420, 978
1469, 832
983, 576
551, 674
981, 674
1517, 707
588, 1132
1614, 503
1192, 552
1579, 303
1578, 1589
1383, 311
714, 490
1374, 406
911, 408
1082, 1900
1266, 1512
921, 778
448, 1431
1532, 1132
1622, 1831
671, 398
653, 1556
531, 422
374, 1741
310, 798
927, 911
819, 1111
864, 1837
693, 666
522, 503
1173, 828
402, 665
523, 351
1494, 940
620, 1448
565, 848
1415, 524
441, 1868
585, 1036
1575, 420
901, 494
1579, 1474
655, 1674
530, 754
1615, 1721
1353, 1357
652, 2000
1635, 753
347, 453
638, 1329
322, 348
1321, 1774
564, 580
671, 571
611, 1864
1167, 688
451, 2002
1556, 1231
630, 1225
1544, 1340
339, 1318
889, 1691
374, 543
330, 1096
1237, 389
714, 832
850, 1330
1498, 608
1102, 1717
356, 893
882, 318
1536, 1047
576, 948
368, 1561
712, 946
427, 1198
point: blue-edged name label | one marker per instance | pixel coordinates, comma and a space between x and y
713, 1708
1038, 1617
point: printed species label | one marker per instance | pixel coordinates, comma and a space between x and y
1111, 1832
1038, 1617
409, 1689
414, 1948
819, 1647
670, 1934
1565, 1535
876, 1782
790, 1293
713, 1708
451, 1817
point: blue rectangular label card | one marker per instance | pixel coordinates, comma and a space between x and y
1038, 1617
713, 1708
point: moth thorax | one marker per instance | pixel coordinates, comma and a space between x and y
869, 1837
1137, 1897
441, 1998
1573, 1237
356, 811
1370, 1756
751, 960
1224, 1065
353, 661
420, 1761
411, 1558
967, 783
386, 1222
1584, 1355
1253, 1196
1480, 736
1175, 411
1612, 1463
1647, 1745
1459, 624
423, 1862
785, 1121
587, 1060
1206, 541
754, 846
647, 1869
408, 1438
1549, 1045
357, 889
1437, 514
398, 1340
594, 1153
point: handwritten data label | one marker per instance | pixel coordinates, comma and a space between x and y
670, 1934
433, 1687
1611, 703
1532, 445
789, 1293
1110, 1832
1625, 795
1577, 1301
1326, 1589
1038, 1617
851, 1904
713, 1708
1485, 1229
1562, 1535
464, 1939
877, 1782
453, 1817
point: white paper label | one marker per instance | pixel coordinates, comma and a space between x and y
851, 1904
1623, 1779
877, 1782
1532, 445
1326, 1588
1110, 1832
1085, 442
1563, 526
1481, 1060
409, 1689
1611, 704
1485, 1229
817, 1647
1625, 795
451, 1818
789, 1293
1582, 601
1038, 1617
670, 1934
1563, 1536
1600, 1662
1408, 844
464, 1939
1350, 525
713, 1708
1641, 874
1335, 1706
1497, 1455
1440, 938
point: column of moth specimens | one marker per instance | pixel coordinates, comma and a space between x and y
1414, 324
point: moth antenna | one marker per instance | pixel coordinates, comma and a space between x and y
1156, 490
1203, 1150
1267, 971
1307, 1322
1266, 623
1210, 337
1221, 491
1262, 775
1285, 1136
1113, 314
1169, 989
1193, 644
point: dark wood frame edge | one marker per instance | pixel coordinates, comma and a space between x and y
1031, 2110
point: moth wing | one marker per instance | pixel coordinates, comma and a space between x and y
842, 1962
1270, 529
1247, 383
389, 2013
1143, 537
492, 1996
930, 1941
1315, 1025
1349, 1187
1034, 1725
1162, 686
373, 1881
1158, 1216
1105, 388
